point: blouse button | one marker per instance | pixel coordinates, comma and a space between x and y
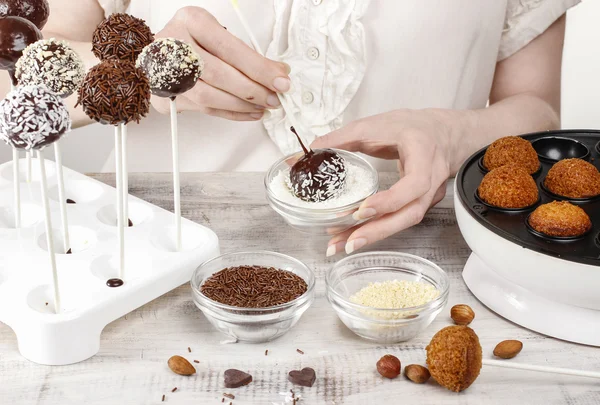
312, 53
307, 97
317, 2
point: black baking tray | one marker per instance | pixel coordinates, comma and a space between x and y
551, 147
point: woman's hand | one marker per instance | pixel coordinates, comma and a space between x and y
422, 143
237, 82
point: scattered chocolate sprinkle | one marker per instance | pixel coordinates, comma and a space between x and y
174, 389
196, 361
223, 400
230, 396
163, 398
69, 201
46, 304
115, 93
267, 352
189, 350
299, 351
121, 37
253, 286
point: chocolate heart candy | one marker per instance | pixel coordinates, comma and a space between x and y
236, 378
305, 377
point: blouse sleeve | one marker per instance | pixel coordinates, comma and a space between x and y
526, 19
114, 6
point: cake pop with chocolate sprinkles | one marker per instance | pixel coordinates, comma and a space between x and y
32, 117
115, 92
121, 37
319, 175
36, 11
51, 63
16, 34
171, 65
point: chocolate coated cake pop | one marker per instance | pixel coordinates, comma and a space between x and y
32, 117
121, 37
115, 92
36, 11
51, 63
319, 175
171, 65
16, 34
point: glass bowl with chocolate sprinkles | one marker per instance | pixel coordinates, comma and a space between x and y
253, 296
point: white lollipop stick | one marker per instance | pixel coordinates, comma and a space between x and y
282, 97
119, 176
125, 177
28, 158
61, 197
176, 181
49, 236
17, 188
543, 369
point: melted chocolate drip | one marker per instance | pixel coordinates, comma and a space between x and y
16, 34
69, 252
129, 223
69, 201
114, 282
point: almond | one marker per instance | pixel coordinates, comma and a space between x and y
462, 314
416, 373
508, 349
181, 366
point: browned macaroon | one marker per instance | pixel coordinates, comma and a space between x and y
560, 218
508, 186
454, 357
573, 178
511, 150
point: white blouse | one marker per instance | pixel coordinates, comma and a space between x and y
349, 59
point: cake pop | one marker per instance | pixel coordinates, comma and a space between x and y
51, 63
319, 175
16, 34
121, 37
36, 11
171, 65
33, 117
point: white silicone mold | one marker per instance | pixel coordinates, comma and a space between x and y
152, 267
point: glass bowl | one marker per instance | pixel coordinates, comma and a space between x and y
314, 220
353, 273
255, 325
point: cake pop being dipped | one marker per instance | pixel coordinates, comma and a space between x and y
31, 118
36, 11
319, 175
173, 68
121, 37
56, 65
114, 93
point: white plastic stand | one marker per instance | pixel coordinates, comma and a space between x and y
154, 267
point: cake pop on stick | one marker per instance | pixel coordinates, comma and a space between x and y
56, 65
36, 11
113, 93
122, 37
173, 68
31, 118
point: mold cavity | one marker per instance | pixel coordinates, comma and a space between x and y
554, 149
78, 191
138, 214
81, 239
549, 238
7, 171
191, 238
31, 214
41, 299
506, 210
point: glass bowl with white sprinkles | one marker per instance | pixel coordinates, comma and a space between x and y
327, 217
387, 297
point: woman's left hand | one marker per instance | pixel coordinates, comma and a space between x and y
422, 142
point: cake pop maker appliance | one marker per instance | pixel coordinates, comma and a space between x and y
545, 284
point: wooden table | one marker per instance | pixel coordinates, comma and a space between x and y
131, 367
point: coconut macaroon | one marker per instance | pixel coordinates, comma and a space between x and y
454, 357
511, 150
560, 219
573, 178
508, 187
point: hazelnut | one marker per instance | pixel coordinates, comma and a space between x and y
508, 349
462, 314
389, 366
416, 373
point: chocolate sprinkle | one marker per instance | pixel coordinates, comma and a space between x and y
174, 389
32, 117
253, 286
121, 37
115, 93
230, 396
163, 398
299, 351
53, 64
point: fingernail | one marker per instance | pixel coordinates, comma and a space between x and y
288, 68
282, 84
354, 245
273, 100
364, 213
257, 115
331, 250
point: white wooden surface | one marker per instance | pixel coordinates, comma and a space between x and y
131, 367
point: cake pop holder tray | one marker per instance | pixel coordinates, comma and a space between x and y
153, 267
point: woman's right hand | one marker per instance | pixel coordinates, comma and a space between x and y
237, 82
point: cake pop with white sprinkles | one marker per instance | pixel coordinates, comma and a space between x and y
319, 175
53, 64
32, 117
171, 65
